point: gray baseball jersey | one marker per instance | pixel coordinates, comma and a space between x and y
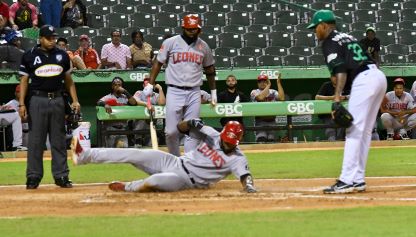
397, 104
185, 61
139, 95
273, 95
413, 91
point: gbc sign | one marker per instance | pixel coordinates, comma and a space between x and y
138, 76
160, 112
229, 110
301, 108
270, 74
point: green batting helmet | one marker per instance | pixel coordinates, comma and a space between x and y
321, 16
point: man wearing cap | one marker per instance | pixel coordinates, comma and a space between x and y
264, 93
11, 52
187, 57
398, 111
351, 65
49, 71
88, 55
372, 44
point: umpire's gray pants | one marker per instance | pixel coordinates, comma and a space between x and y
46, 116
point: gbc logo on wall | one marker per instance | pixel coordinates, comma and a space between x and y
270, 74
160, 112
229, 109
138, 76
301, 108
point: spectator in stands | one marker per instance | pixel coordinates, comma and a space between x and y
326, 92
118, 97
232, 95
76, 60
51, 12
23, 15
155, 99
10, 53
372, 44
14, 104
116, 55
265, 94
398, 111
88, 55
4, 10
74, 14
141, 51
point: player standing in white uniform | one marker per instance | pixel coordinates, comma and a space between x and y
350, 64
398, 111
216, 156
186, 57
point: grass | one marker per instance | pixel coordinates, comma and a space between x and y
293, 164
377, 221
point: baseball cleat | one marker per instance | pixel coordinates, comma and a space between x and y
390, 137
117, 186
359, 187
339, 187
76, 150
404, 136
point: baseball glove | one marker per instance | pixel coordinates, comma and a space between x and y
341, 116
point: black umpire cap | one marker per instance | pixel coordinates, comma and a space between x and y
47, 31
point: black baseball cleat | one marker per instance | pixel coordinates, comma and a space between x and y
359, 187
32, 183
63, 182
339, 187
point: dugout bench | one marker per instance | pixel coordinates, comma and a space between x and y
251, 109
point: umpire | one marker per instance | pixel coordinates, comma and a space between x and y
42, 102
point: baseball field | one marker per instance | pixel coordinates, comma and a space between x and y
289, 202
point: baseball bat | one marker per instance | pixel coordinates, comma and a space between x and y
153, 135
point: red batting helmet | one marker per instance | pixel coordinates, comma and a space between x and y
262, 77
232, 132
191, 21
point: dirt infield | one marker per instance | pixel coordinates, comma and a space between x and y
226, 196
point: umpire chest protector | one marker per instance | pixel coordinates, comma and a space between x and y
46, 70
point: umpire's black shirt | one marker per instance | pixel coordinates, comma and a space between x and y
46, 70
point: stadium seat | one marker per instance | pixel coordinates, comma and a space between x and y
236, 29
99, 9
316, 60
123, 8
181, 2
28, 43
85, 30
365, 15
73, 42
214, 19
412, 48
294, 60
411, 58
268, 6
126, 39
131, 2
408, 15
167, 19
386, 37
86, 2
255, 39
388, 15
287, 17
358, 34
345, 15
361, 25
251, 51
262, 18
386, 25
344, 27
302, 26
160, 30
407, 25
283, 27
230, 40
259, 28
406, 37
243, 7
250, 1
245, 61
154, 40
321, 5
203, 1
222, 62
219, 7
211, 30
99, 41
409, 5
95, 20
300, 50
106, 31
226, 52
196, 8
225, 1
141, 19
148, 8
346, 6
65, 31
173, 8
280, 39
238, 18
392, 5
211, 40
156, 2
390, 59
304, 38
397, 49
107, 2
368, 5
269, 60
276, 50
117, 20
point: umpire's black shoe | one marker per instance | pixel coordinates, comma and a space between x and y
63, 182
32, 183
339, 187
